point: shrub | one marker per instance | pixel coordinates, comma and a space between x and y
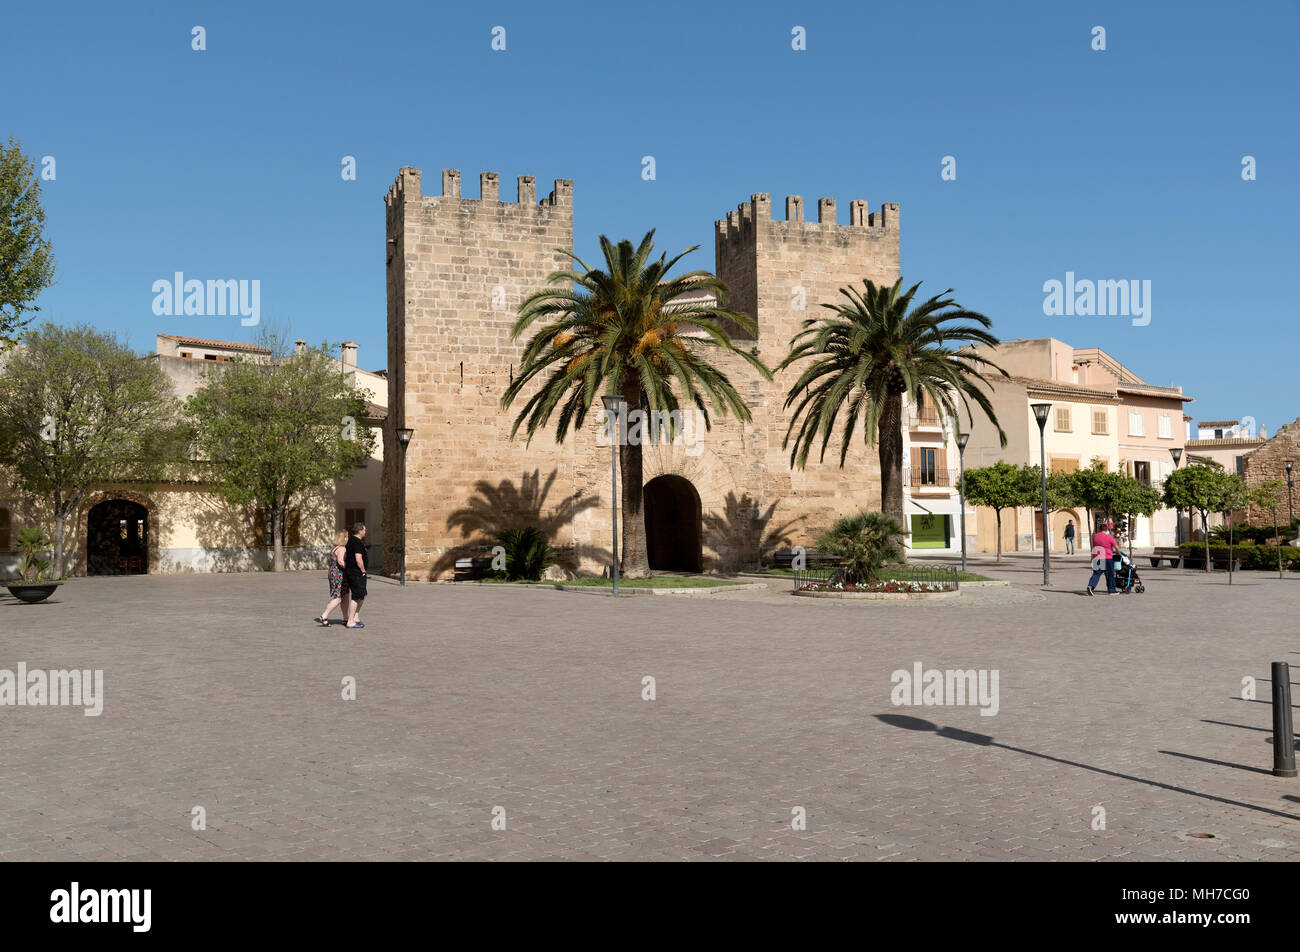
528, 553
864, 543
1262, 557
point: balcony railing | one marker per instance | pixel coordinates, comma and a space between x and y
928, 416
930, 478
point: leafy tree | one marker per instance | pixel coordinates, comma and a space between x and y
1233, 494
869, 352
26, 261
623, 330
276, 429
1060, 493
864, 543
1000, 486
1132, 497
79, 409
1268, 496
1095, 488
1196, 486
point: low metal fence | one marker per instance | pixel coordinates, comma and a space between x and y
934, 578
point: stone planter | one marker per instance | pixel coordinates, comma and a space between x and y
32, 592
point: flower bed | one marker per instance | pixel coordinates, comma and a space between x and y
887, 589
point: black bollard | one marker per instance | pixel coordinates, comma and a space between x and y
1283, 739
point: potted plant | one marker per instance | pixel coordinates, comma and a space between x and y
32, 586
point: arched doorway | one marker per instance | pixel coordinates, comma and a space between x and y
117, 538
672, 524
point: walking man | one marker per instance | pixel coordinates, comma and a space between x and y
356, 569
1069, 538
1103, 559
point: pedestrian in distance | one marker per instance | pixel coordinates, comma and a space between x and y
356, 566
1069, 538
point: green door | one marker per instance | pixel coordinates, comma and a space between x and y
929, 532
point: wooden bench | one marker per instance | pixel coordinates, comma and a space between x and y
1171, 554
784, 558
471, 568
1197, 561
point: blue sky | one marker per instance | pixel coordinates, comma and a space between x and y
1122, 164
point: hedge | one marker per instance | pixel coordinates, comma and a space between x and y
1263, 557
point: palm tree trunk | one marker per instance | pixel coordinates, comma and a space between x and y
891, 462
635, 561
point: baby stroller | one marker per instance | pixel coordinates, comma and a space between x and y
1126, 574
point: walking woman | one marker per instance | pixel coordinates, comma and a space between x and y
338, 581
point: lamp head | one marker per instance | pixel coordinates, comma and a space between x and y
962, 440
1040, 412
404, 435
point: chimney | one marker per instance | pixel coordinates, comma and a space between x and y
1263, 432
350, 355
299, 347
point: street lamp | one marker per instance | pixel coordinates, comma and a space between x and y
614, 406
1177, 453
1290, 503
404, 438
962, 440
1040, 414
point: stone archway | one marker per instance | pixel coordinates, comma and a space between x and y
673, 524
117, 534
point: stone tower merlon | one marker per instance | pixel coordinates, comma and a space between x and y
738, 228
407, 189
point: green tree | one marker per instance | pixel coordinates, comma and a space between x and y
864, 543
26, 260
1060, 493
79, 409
865, 355
624, 330
274, 429
1268, 496
1000, 486
1233, 494
1196, 486
1095, 489
1133, 498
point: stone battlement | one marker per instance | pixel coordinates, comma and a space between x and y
407, 188
739, 225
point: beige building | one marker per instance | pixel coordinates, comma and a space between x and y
458, 268
182, 527
1100, 410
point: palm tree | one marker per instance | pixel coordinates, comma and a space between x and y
866, 355
622, 330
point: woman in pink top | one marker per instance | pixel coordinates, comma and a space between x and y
1103, 559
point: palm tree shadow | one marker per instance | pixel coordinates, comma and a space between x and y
984, 740
496, 507
743, 531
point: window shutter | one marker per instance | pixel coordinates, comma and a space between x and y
941, 463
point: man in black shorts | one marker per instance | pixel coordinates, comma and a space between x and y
356, 563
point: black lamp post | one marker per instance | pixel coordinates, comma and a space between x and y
404, 438
962, 440
1290, 503
614, 406
1040, 414
1177, 453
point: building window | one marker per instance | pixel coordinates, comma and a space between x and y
1058, 465
5, 542
1142, 471
929, 466
1241, 466
187, 355
262, 529
351, 516
1135, 423
1100, 423
1218, 434
925, 411
1063, 420
1165, 427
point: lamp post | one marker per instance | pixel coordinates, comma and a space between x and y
614, 405
1177, 453
1040, 414
404, 438
962, 440
1290, 503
